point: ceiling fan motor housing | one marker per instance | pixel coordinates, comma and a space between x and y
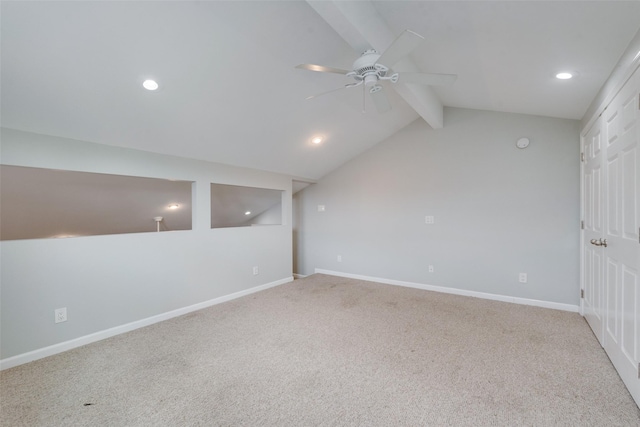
366, 69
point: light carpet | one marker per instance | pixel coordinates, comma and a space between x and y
330, 351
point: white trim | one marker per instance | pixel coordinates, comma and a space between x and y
582, 218
20, 359
475, 294
631, 68
299, 276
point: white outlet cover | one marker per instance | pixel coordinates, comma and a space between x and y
321, 208
60, 315
429, 219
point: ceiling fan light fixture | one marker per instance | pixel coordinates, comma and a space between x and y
370, 79
316, 140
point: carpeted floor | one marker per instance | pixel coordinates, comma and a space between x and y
332, 351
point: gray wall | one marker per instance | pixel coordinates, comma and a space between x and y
108, 281
498, 210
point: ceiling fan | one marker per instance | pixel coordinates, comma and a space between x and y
371, 68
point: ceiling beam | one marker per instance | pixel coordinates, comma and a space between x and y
360, 25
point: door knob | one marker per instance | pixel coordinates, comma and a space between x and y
603, 242
599, 242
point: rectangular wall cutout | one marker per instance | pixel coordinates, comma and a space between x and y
39, 203
238, 206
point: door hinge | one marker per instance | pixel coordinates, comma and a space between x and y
639, 370
582, 224
581, 293
582, 157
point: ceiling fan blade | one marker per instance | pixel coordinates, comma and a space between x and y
321, 68
347, 86
401, 47
427, 79
324, 93
380, 99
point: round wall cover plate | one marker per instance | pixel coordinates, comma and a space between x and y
522, 143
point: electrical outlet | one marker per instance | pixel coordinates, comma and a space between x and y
431, 269
522, 278
255, 270
429, 219
321, 208
339, 258
60, 314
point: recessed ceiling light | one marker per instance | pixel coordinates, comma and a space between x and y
564, 76
174, 206
247, 213
316, 139
150, 84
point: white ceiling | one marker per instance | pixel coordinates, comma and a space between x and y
229, 92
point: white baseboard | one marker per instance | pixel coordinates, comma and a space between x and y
475, 294
299, 276
21, 359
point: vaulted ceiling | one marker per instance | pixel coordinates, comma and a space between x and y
229, 91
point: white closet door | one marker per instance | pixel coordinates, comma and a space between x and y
593, 230
621, 150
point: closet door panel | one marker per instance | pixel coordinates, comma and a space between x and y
593, 275
621, 155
